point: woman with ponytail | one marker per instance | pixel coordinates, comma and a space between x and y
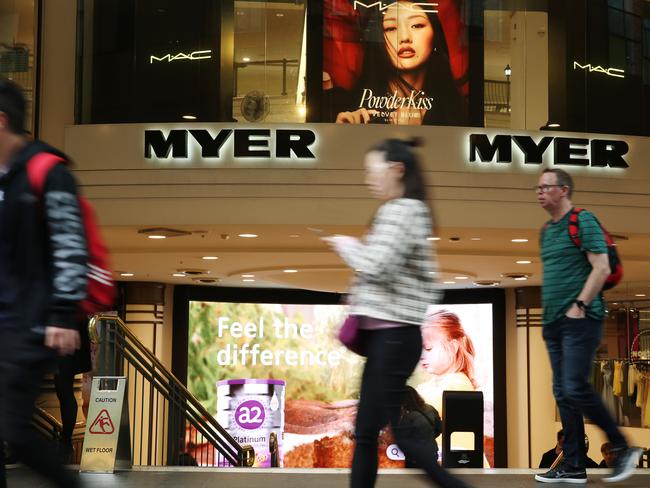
390, 294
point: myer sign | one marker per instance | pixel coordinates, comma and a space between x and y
566, 151
244, 143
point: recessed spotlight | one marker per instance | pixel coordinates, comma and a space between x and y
249, 280
279, 14
523, 261
247, 236
189, 117
432, 272
640, 295
460, 277
294, 236
179, 275
209, 258
487, 283
127, 274
433, 238
290, 271
475, 238
553, 124
246, 59
248, 276
302, 110
156, 236
519, 240
448, 282
521, 278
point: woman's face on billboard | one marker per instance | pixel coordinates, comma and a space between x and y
408, 36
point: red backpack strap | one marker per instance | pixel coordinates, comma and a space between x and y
574, 226
38, 168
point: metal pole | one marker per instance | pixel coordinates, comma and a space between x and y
284, 76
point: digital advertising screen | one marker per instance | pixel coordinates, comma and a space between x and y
395, 62
277, 378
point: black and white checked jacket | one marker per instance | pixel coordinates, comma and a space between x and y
394, 265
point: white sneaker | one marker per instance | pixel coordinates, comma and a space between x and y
627, 461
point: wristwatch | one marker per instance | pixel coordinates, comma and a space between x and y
581, 305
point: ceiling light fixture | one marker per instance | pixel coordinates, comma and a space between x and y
248, 276
433, 238
519, 240
246, 59
189, 117
294, 236
247, 236
475, 238
523, 261
126, 275
209, 258
290, 271
487, 283
448, 282
640, 295
163, 232
193, 271
206, 280
248, 280
179, 275
460, 277
516, 276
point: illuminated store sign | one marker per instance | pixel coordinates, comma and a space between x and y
383, 6
567, 151
616, 73
246, 143
193, 56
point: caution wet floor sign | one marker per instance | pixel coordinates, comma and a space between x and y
107, 431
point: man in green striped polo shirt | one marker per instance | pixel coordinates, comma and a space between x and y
574, 311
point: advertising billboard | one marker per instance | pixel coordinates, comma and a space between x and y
395, 62
276, 377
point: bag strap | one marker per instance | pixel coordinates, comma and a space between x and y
38, 168
574, 226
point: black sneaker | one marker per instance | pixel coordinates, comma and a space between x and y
626, 461
563, 473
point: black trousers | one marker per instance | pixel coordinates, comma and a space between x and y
24, 361
392, 356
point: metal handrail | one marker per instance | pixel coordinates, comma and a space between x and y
186, 408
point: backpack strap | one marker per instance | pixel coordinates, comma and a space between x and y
38, 168
574, 226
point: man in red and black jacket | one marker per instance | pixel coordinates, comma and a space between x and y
43, 260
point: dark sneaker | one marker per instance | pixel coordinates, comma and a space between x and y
563, 473
626, 461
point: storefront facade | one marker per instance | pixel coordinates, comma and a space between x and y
216, 132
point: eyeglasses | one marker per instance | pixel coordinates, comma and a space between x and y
545, 188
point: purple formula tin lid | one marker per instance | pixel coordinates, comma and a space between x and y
251, 381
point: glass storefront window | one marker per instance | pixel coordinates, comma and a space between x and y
18, 47
269, 58
524, 65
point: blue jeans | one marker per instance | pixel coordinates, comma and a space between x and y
572, 345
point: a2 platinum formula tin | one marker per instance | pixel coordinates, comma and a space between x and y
252, 411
